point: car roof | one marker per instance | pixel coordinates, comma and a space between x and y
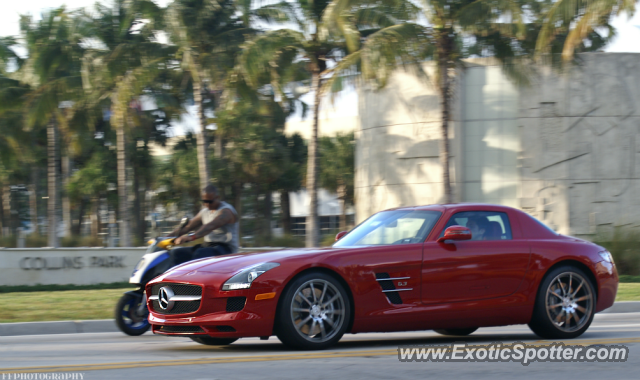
454, 206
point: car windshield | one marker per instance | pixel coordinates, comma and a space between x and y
392, 227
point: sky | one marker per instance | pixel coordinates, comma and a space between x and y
627, 40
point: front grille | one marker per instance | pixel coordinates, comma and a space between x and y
235, 304
181, 329
225, 329
393, 297
180, 307
179, 289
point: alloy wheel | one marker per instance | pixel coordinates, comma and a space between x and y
317, 310
569, 302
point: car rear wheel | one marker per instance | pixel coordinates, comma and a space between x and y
456, 332
313, 313
211, 341
565, 304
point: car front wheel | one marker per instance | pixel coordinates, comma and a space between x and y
565, 304
314, 312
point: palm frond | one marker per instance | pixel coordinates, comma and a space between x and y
405, 45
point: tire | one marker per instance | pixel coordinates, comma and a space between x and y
456, 332
128, 320
313, 313
211, 341
565, 304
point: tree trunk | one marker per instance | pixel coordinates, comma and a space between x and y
237, 192
66, 205
201, 137
2, 222
285, 207
123, 201
137, 207
342, 199
9, 223
219, 150
445, 47
33, 200
267, 215
77, 228
312, 226
95, 217
52, 178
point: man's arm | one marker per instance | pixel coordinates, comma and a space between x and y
192, 225
225, 217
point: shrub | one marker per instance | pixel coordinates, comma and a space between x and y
624, 246
35, 240
287, 241
81, 241
8, 241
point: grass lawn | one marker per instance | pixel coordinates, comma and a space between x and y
59, 305
100, 304
628, 292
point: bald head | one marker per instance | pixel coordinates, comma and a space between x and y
210, 189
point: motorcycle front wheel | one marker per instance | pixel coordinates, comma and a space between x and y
129, 318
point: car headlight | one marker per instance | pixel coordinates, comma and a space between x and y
606, 256
244, 279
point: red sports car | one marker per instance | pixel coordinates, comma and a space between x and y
449, 268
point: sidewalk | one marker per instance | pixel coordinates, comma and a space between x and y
109, 325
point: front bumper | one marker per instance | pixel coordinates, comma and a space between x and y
220, 314
607, 277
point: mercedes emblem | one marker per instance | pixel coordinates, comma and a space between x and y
164, 298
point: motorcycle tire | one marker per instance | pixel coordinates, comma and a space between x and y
127, 319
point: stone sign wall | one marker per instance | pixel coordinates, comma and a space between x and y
77, 266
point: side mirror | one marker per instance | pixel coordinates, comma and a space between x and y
456, 233
340, 235
183, 222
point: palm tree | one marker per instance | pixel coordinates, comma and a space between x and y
208, 36
566, 25
52, 70
337, 175
116, 72
327, 32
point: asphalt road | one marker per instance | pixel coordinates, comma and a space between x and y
100, 356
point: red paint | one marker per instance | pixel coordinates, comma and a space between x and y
454, 284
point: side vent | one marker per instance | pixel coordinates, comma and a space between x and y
386, 283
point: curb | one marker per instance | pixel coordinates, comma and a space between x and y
624, 307
58, 327
109, 325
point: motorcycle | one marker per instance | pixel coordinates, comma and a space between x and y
131, 311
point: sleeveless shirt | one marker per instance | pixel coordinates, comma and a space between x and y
226, 234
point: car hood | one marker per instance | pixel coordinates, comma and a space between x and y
235, 262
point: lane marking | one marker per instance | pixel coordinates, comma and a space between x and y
262, 358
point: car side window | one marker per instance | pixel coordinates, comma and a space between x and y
484, 225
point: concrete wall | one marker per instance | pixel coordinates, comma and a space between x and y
397, 149
564, 149
490, 138
580, 145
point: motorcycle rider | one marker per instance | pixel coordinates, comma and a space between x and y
217, 222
